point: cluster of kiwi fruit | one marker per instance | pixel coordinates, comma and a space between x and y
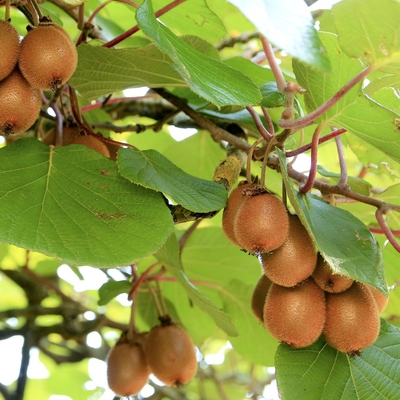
44, 60
166, 351
298, 297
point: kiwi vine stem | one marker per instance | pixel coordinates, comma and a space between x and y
267, 117
136, 28
386, 230
381, 232
342, 162
140, 280
260, 127
310, 118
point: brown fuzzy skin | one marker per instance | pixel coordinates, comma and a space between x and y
295, 260
296, 315
380, 299
327, 280
171, 355
20, 104
69, 133
48, 57
262, 224
352, 319
259, 296
236, 199
127, 369
10, 47
92, 143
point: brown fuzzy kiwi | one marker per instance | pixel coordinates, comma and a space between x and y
295, 260
295, 315
259, 296
235, 201
171, 355
327, 280
69, 133
262, 223
20, 104
10, 47
92, 143
380, 299
352, 319
48, 57
127, 369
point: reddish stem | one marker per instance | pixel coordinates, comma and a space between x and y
386, 230
271, 128
260, 127
307, 147
381, 232
309, 119
140, 280
136, 28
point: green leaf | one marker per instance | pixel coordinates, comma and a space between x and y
319, 372
112, 289
71, 203
289, 25
168, 255
374, 33
343, 240
271, 96
358, 185
151, 169
253, 342
211, 79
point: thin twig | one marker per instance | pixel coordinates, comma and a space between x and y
386, 230
342, 162
259, 125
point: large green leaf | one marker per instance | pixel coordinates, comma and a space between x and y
168, 255
71, 203
210, 78
319, 372
151, 169
289, 25
344, 241
374, 35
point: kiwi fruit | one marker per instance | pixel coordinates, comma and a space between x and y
295, 260
380, 299
259, 296
235, 201
92, 143
10, 47
69, 133
171, 355
127, 369
262, 223
20, 104
48, 57
327, 280
295, 316
352, 319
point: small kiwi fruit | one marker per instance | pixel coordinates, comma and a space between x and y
20, 104
69, 133
48, 57
171, 355
380, 299
295, 315
259, 296
92, 143
10, 47
295, 260
127, 369
235, 201
262, 223
327, 280
352, 319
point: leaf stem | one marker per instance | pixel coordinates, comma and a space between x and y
140, 280
259, 125
310, 118
342, 162
386, 230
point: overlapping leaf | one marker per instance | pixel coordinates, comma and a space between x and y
152, 170
71, 203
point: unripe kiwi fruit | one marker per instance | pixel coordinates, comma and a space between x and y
295, 316
48, 57
259, 296
295, 260
171, 355
127, 369
380, 299
92, 143
235, 201
20, 104
327, 280
352, 319
262, 223
10, 47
